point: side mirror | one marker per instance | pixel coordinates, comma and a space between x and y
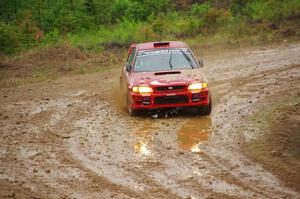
128, 67
201, 63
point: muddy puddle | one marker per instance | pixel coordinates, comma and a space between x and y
143, 136
191, 136
194, 133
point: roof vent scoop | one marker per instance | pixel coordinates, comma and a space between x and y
161, 44
167, 73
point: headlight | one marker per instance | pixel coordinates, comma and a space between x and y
196, 87
142, 89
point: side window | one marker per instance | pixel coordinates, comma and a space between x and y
130, 59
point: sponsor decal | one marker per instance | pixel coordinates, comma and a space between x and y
163, 51
170, 94
155, 82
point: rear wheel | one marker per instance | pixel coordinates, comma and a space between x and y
206, 110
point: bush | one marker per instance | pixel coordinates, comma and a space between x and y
272, 11
9, 40
136, 12
70, 22
200, 10
122, 34
238, 27
118, 10
210, 18
216, 18
52, 37
48, 21
186, 26
290, 8
93, 23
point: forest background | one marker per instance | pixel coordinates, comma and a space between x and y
93, 25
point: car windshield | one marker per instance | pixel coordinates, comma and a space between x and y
163, 59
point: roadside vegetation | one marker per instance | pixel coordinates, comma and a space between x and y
94, 25
43, 40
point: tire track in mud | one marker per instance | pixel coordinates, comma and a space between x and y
266, 185
83, 154
134, 178
50, 134
172, 177
90, 163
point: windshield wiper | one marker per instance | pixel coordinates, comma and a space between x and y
170, 60
187, 58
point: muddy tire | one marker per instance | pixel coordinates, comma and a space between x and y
123, 95
206, 110
130, 110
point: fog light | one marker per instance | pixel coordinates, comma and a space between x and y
196, 97
146, 100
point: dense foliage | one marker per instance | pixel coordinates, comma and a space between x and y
94, 23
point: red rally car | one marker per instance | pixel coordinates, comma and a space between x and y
162, 75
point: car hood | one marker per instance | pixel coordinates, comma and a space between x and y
173, 77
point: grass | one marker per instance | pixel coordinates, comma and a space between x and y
123, 33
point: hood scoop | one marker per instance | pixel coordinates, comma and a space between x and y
167, 73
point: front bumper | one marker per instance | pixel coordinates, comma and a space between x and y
169, 99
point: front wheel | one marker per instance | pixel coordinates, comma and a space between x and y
130, 110
206, 110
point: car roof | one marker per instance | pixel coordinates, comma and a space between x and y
164, 44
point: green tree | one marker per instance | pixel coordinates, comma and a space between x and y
9, 9
9, 41
90, 9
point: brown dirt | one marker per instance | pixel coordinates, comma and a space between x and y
69, 138
279, 149
286, 147
53, 62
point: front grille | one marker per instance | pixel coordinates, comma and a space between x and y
170, 88
176, 99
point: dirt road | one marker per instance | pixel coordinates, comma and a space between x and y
69, 138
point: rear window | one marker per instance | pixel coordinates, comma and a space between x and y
164, 59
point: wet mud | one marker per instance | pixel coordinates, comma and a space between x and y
72, 138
